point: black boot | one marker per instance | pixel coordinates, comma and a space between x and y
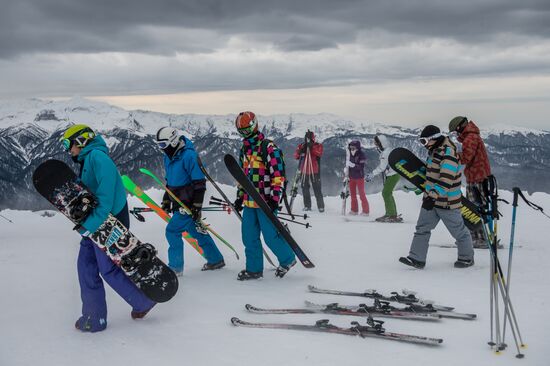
213, 266
282, 270
464, 263
412, 262
244, 275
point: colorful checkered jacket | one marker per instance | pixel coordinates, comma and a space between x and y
266, 176
443, 176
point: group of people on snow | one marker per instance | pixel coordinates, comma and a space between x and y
263, 163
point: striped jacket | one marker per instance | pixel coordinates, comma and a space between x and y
267, 176
443, 176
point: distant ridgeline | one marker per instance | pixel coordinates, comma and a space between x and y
29, 134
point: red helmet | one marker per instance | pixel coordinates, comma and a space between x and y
246, 123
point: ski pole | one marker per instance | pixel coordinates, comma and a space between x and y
305, 216
307, 225
5, 218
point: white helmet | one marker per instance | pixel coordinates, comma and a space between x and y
167, 136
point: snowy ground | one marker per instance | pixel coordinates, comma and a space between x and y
40, 297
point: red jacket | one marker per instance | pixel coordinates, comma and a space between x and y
310, 162
473, 155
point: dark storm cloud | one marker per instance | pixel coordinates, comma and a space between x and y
141, 26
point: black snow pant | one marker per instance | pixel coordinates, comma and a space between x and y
316, 184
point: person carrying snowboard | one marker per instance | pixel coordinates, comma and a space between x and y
477, 169
100, 175
391, 178
356, 176
186, 180
262, 162
309, 155
441, 201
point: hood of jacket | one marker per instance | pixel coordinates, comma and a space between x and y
97, 143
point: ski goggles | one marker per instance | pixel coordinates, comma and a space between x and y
246, 131
163, 144
425, 140
80, 140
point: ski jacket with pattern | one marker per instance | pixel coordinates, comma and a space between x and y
473, 155
184, 176
99, 173
309, 163
359, 159
443, 176
267, 177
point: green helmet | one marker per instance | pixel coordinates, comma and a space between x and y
78, 135
456, 122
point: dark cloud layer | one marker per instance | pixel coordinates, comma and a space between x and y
86, 26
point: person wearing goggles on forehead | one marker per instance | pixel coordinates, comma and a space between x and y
262, 162
356, 175
477, 169
100, 175
309, 153
187, 181
391, 178
441, 201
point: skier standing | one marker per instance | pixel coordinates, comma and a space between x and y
391, 178
441, 201
100, 175
186, 180
477, 169
262, 162
356, 175
309, 154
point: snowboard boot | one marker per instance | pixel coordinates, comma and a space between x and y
245, 275
381, 218
281, 271
412, 262
87, 324
213, 266
140, 314
464, 263
396, 218
480, 244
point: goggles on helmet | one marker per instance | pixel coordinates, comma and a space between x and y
425, 140
80, 140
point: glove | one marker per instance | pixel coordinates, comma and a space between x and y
82, 230
238, 204
428, 203
369, 177
166, 205
349, 164
196, 212
273, 205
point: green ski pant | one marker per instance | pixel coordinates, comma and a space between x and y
387, 194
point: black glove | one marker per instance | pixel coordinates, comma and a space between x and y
273, 205
303, 149
166, 205
238, 204
428, 203
196, 212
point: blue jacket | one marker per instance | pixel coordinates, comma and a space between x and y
184, 177
101, 176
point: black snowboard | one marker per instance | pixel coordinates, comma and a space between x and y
410, 167
247, 185
57, 182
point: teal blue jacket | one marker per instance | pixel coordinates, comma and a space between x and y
100, 174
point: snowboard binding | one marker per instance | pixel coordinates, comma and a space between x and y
81, 206
141, 254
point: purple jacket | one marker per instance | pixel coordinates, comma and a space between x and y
359, 159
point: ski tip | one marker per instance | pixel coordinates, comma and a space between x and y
249, 307
236, 321
311, 287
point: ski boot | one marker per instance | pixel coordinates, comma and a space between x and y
306, 209
245, 275
352, 213
464, 263
365, 214
281, 271
213, 266
381, 218
321, 209
412, 262
396, 218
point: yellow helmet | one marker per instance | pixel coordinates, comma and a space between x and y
78, 135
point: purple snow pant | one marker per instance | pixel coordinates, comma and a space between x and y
92, 262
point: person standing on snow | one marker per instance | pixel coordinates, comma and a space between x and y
309, 154
100, 175
262, 162
186, 180
477, 169
356, 176
391, 178
441, 201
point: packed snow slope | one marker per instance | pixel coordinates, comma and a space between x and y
40, 296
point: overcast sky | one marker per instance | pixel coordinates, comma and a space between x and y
405, 62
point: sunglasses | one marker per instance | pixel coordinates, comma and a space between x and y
425, 140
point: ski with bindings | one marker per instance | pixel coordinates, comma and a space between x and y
228, 202
408, 297
335, 309
344, 194
237, 173
373, 328
384, 307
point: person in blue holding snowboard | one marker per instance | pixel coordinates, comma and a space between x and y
186, 180
99, 173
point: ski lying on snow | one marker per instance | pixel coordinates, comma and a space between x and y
373, 328
384, 307
407, 298
335, 309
